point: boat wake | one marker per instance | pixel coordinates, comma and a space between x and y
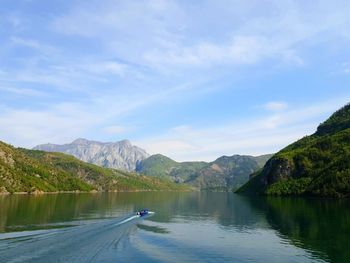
85, 242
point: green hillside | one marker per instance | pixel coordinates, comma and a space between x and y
157, 165
224, 173
315, 165
23, 170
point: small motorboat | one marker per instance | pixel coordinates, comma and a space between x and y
142, 213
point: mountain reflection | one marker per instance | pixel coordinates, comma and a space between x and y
320, 226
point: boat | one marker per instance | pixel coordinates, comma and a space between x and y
142, 212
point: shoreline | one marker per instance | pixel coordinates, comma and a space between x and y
91, 192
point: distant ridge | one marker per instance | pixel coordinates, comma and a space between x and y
225, 173
119, 155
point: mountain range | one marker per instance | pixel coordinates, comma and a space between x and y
34, 171
119, 155
225, 173
317, 165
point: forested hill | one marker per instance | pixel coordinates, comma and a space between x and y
315, 165
225, 173
34, 171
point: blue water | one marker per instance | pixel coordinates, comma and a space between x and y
186, 227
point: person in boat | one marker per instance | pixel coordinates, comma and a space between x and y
142, 212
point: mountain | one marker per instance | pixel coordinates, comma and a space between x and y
119, 155
224, 173
33, 171
315, 165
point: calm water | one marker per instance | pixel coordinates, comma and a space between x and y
187, 227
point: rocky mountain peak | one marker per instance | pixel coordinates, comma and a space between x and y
125, 143
120, 155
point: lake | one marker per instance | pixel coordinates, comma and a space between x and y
186, 227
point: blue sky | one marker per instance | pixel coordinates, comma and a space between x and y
193, 80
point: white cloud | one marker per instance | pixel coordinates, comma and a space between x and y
67, 76
241, 50
23, 91
209, 143
170, 146
53, 77
174, 33
12, 20
57, 123
275, 106
253, 136
29, 128
65, 121
346, 69
33, 44
116, 129
134, 42
103, 67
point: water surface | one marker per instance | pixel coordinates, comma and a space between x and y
187, 227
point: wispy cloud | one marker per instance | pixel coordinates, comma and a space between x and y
116, 129
129, 67
346, 68
29, 128
275, 106
23, 91
241, 50
106, 67
253, 136
33, 44
277, 33
65, 121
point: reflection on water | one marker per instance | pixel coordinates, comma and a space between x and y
321, 226
196, 226
22, 210
154, 229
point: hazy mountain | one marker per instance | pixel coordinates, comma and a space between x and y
120, 155
23, 170
224, 173
315, 165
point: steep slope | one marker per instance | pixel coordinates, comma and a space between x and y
156, 165
119, 155
30, 171
21, 173
227, 172
315, 165
222, 174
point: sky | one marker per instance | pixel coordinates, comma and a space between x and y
192, 80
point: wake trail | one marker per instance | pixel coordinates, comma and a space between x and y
89, 242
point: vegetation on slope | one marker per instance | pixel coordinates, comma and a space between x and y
315, 165
157, 165
23, 170
225, 173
